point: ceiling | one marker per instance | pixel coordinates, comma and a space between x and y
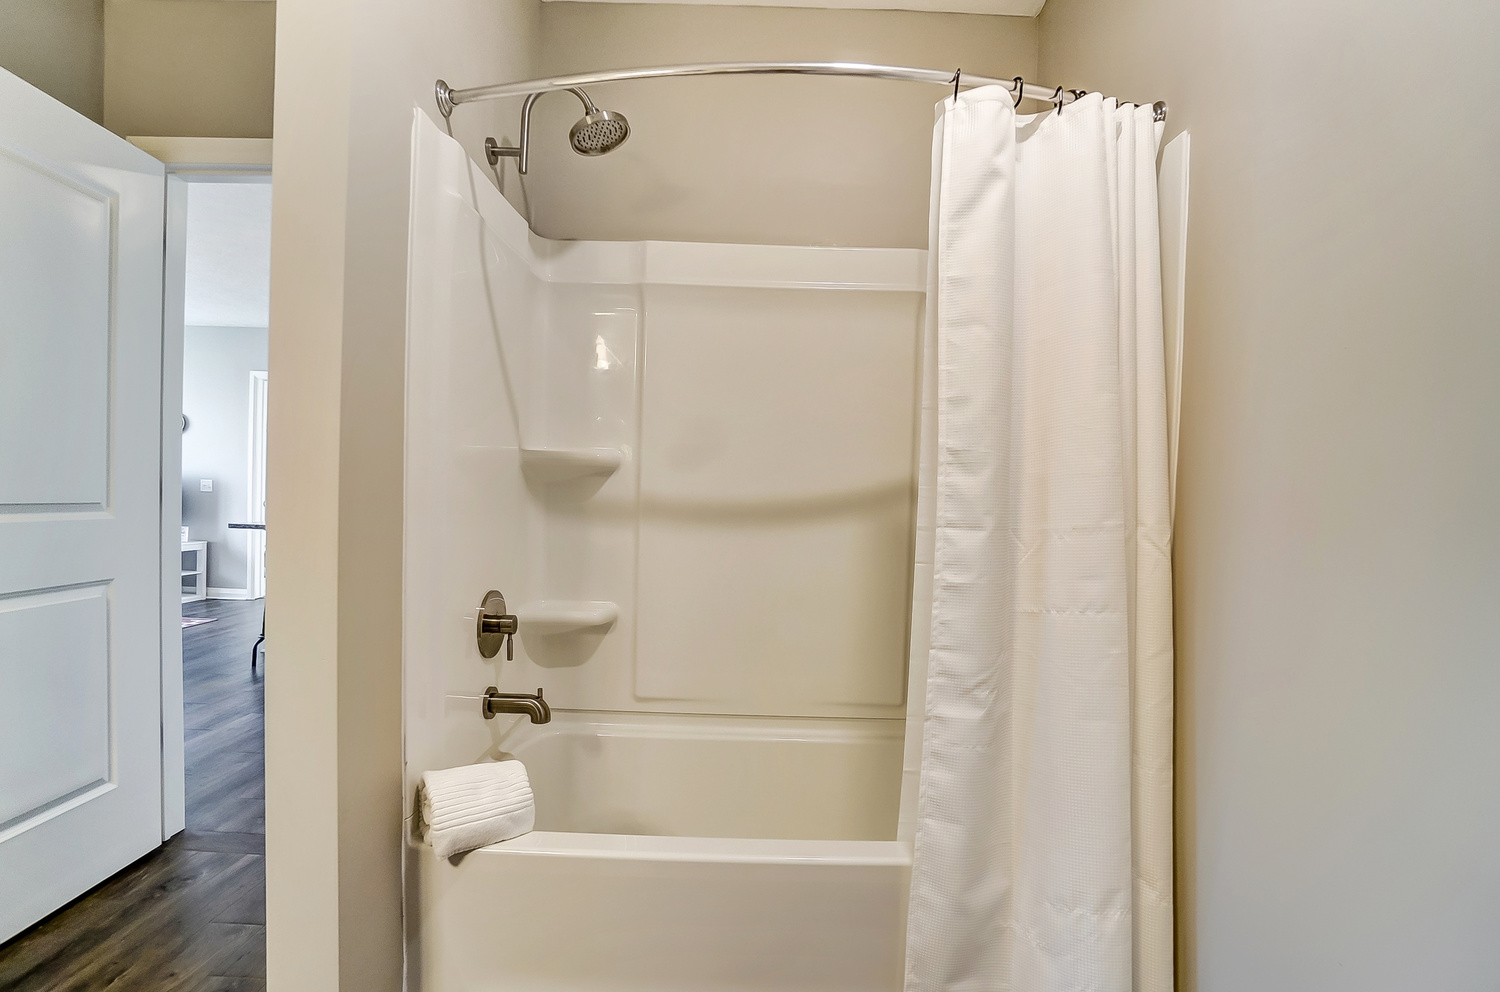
228, 254
1021, 8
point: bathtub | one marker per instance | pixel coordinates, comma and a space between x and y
679, 853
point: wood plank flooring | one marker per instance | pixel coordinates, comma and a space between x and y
191, 915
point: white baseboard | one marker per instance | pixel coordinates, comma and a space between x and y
216, 593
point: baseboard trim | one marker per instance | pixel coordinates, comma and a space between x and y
217, 593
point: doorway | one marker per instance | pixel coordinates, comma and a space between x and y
193, 904
225, 319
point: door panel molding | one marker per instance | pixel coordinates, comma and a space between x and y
58, 247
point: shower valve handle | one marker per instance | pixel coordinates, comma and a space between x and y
495, 625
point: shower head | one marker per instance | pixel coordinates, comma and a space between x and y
599, 132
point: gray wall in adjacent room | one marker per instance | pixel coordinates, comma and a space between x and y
216, 367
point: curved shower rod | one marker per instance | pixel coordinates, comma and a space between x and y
448, 98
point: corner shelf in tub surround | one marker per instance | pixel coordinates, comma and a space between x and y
561, 616
563, 464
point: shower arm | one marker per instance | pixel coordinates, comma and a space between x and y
495, 151
448, 98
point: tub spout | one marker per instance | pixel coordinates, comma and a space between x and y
535, 707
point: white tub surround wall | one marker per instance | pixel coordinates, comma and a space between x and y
740, 501
673, 775
689, 468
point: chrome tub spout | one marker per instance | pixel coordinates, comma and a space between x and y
534, 707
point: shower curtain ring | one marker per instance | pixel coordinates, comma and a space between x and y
1020, 90
1058, 100
957, 75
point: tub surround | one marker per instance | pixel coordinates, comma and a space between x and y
610, 435
708, 546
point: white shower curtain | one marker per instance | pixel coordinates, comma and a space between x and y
1043, 820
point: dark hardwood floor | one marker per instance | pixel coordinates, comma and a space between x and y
191, 915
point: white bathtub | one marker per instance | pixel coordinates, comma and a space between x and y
636, 881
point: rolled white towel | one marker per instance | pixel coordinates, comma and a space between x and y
474, 805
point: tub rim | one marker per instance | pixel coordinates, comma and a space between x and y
716, 850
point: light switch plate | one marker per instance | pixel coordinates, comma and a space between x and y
205, 485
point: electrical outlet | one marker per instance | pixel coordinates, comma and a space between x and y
205, 485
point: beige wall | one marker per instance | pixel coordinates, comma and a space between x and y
189, 67
348, 77
770, 160
58, 47
1338, 540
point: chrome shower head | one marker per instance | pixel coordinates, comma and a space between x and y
599, 132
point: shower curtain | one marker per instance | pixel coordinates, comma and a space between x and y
1043, 820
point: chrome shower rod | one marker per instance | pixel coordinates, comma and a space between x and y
448, 98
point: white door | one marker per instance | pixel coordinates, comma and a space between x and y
81, 226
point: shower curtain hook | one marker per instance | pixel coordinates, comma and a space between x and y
1020, 91
957, 75
1058, 100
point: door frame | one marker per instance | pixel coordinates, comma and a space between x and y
255, 558
188, 160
